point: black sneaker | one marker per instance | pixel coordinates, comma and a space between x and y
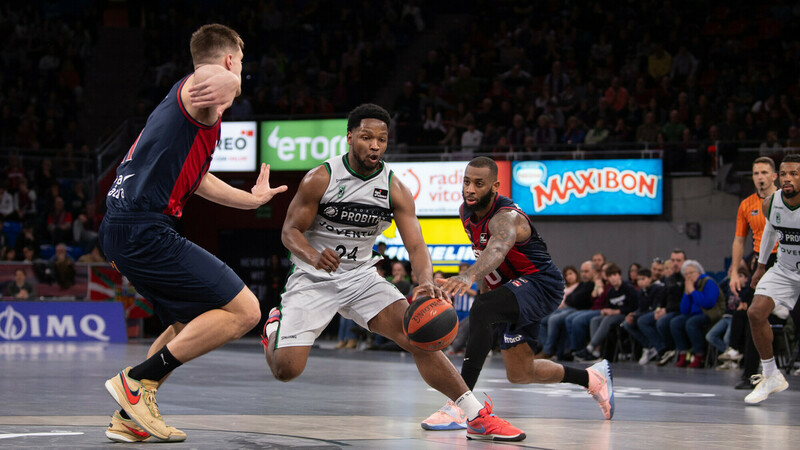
744, 385
584, 355
566, 357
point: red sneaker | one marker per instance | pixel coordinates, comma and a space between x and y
492, 428
683, 361
698, 362
273, 319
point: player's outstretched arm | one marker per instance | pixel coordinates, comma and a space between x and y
300, 215
405, 217
218, 191
503, 228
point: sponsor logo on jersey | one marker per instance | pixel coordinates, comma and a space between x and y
380, 193
339, 180
484, 238
788, 236
754, 212
355, 214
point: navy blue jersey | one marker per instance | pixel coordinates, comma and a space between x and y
524, 258
166, 163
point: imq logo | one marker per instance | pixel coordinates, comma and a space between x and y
302, 144
15, 326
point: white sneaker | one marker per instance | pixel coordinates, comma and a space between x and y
765, 386
730, 354
647, 355
728, 365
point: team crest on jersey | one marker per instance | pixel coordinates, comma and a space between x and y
341, 191
778, 217
380, 193
483, 239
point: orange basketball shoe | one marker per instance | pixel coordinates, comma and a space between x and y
489, 427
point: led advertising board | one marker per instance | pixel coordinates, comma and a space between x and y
236, 149
447, 243
302, 144
589, 187
436, 186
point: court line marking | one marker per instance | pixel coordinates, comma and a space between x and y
52, 433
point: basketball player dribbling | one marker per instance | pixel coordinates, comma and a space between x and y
198, 297
519, 286
339, 210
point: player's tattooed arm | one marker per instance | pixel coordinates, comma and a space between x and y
504, 231
504, 234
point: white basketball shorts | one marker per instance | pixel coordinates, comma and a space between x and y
311, 300
782, 285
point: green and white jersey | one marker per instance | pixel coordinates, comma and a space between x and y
785, 220
353, 212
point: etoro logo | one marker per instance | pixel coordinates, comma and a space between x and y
302, 144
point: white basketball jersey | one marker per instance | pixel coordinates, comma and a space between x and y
353, 212
786, 221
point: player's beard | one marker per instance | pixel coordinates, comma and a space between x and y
481, 204
790, 194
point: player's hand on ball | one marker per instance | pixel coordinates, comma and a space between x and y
328, 261
455, 285
429, 290
261, 191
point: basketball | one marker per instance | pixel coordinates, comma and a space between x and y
431, 324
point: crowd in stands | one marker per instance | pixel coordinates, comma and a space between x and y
46, 51
43, 202
676, 75
46, 219
672, 312
300, 58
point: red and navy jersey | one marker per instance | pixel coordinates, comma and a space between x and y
524, 258
166, 163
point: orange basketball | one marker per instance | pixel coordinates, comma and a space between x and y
430, 323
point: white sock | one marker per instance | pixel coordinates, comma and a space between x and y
770, 368
469, 404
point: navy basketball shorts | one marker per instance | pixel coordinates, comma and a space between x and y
537, 295
180, 278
